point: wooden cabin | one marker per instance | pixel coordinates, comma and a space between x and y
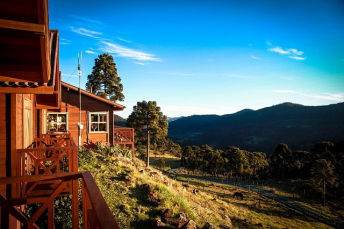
97, 118
30, 84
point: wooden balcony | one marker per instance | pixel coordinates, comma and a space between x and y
125, 136
48, 168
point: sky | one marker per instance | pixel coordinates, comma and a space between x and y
208, 57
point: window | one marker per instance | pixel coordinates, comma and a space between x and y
98, 122
57, 122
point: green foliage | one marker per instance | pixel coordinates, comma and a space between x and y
147, 118
104, 80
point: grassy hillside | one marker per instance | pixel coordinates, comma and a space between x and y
124, 186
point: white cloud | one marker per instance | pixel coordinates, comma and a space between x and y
86, 19
254, 57
297, 57
121, 39
291, 52
339, 97
86, 32
140, 63
126, 52
90, 52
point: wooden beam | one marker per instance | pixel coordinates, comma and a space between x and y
24, 26
20, 76
28, 90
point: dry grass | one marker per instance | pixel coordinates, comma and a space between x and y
121, 183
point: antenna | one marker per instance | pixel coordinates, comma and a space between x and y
80, 73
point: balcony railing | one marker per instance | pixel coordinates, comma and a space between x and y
48, 168
125, 136
95, 212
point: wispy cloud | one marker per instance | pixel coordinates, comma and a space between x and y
86, 32
291, 52
140, 63
64, 41
121, 39
339, 97
254, 57
86, 19
297, 57
127, 52
90, 52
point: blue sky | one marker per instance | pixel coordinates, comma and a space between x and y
208, 57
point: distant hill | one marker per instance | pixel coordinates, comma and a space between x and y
119, 121
171, 119
296, 125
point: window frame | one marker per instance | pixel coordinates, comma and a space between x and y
90, 122
57, 122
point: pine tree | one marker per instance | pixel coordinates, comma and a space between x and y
104, 80
147, 117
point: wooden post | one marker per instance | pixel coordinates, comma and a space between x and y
51, 216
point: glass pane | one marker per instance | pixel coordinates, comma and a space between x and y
94, 118
102, 126
52, 118
62, 117
62, 127
102, 118
94, 127
52, 127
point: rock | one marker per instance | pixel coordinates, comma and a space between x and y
158, 202
152, 174
182, 220
226, 217
185, 185
182, 216
170, 221
147, 188
156, 223
153, 195
189, 225
213, 199
208, 226
166, 183
148, 170
221, 208
139, 209
142, 171
224, 226
195, 191
167, 212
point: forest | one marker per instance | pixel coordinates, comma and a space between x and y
321, 168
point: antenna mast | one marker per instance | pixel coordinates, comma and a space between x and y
80, 73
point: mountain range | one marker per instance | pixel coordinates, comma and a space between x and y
298, 126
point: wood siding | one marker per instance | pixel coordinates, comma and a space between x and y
3, 147
70, 104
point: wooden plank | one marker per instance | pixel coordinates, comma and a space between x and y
19, 90
104, 214
17, 76
24, 26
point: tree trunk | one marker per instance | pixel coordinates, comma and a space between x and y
147, 162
